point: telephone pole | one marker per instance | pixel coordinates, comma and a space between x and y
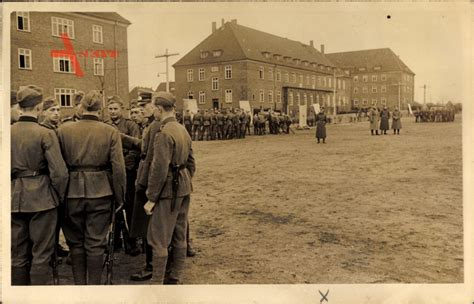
424, 94
166, 55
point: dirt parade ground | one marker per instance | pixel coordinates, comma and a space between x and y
360, 209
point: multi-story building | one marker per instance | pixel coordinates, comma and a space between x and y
66, 52
236, 63
379, 77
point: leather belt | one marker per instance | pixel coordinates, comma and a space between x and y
29, 173
88, 168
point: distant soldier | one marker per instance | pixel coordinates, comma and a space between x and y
76, 98
93, 153
243, 124
236, 124
206, 124
188, 122
51, 115
197, 125
230, 125
321, 121
384, 120
396, 121
374, 120
256, 130
14, 108
220, 125
249, 120
213, 128
168, 191
39, 179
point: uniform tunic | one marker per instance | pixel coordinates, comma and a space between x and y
321, 121
384, 117
374, 119
396, 120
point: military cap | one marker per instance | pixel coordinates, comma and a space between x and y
145, 97
77, 97
30, 96
49, 102
134, 103
13, 100
114, 99
164, 99
92, 101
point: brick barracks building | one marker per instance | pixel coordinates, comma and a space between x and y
239, 63
94, 37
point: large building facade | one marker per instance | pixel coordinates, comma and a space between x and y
98, 43
236, 63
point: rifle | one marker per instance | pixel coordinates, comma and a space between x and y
175, 184
109, 259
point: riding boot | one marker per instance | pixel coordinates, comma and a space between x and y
78, 262
190, 252
177, 267
20, 276
94, 269
376, 132
41, 274
159, 268
372, 132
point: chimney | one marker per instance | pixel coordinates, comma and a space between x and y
214, 26
222, 22
322, 48
311, 43
234, 21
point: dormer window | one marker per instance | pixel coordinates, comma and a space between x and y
217, 53
296, 61
277, 56
204, 54
361, 69
266, 54
287, 58
306, 63
377, 68
314, 64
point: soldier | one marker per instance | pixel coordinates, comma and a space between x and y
93, 154
197, 125
255, 125
230, 125
249, 121
50, 113
206, 125
137, 116
168, 191
384, 117
77, 97
14, 108
243, 123
236, 124
220, 125
213, 128
321, 121
188, 123
396, 121
374, 121
39, 179
131, 157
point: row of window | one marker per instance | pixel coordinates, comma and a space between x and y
215, 53
296, 61
383, 89
365, 101
58, 27
383, 77
60, 64
202, 96
202, 73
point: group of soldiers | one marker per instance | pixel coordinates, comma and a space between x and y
445, 115
94, 177
379, 120
232, 124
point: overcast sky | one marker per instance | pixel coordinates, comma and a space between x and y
429, 38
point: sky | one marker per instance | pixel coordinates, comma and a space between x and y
432, 39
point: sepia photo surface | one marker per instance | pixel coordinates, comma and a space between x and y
331, 144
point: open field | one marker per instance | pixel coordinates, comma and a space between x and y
359, 209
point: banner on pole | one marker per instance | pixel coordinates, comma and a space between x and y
316, 108
303, 115
409, 109
191, 105
245, 104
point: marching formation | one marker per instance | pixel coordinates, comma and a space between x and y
98, 178
441, 115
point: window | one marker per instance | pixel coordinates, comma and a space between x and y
278, 97
262, 73
356, 90
376, 68
383, 89
24, 59
293, 77
374, 78
204, 54
23, 21
228, 96
317, 98
311, 99
324, 81
278, 75
190, 75
262, 96
61, 25
215, 69
202, 97
374, 101
319, 81
374, 89
215, 83
301, 80
270, 73
383, 77
228, 72
305, 99
270, 96
99, 66
361, 69
97, 34
365, 102
307, 80
365, 78
343, 84
290, 98
190, 95
356, 101
330, 82
356, 78
287, 77
339, 84
313, 80
298, 98
201, 74
217, 53
64, 96
383, 101
364, 90
63, 64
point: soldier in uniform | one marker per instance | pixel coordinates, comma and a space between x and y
197, 125
255, 125
50, 113
93, 154
213, 128
188, 123
321, 121
136, 115
243, 124
76, 98
206, 124
236, 124
220, 125
374, 121
131, 157
230, 125
168, 191
39, 179
14, 108
396, 121
384, 117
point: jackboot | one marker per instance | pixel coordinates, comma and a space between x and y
78, 262
41, 274
177, 267
159, 268
20, 276
372, 132
94, 269
147, 272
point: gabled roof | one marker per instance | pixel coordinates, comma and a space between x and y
384, 58
107, 16
240, 42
